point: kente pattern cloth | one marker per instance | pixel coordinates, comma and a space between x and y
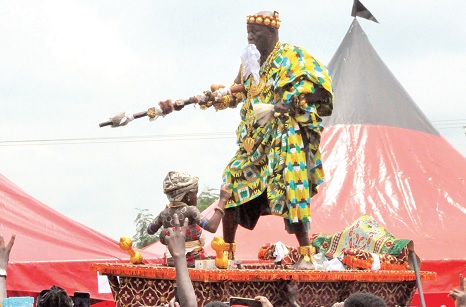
285, 160
365, 234
177, 184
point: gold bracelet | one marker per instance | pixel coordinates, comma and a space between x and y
219, 210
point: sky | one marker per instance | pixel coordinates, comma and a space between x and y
66, 66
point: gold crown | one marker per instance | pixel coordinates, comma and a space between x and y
270, 21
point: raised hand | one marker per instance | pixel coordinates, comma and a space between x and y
459, 296
225, 192
4, 258
176, 238
281, 109
264, 301
5, 251
175, 242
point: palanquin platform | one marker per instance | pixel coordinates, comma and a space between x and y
154, 285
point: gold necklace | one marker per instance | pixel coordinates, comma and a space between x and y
255, 89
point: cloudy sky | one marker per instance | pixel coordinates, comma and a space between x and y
66, 66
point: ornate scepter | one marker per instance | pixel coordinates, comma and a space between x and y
218, 96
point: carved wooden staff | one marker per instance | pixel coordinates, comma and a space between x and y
122, 119
215, 97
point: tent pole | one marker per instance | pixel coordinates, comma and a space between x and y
414, 261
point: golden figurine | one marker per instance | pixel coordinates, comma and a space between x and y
127, 245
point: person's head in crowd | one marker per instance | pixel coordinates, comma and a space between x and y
362, 299
216, 304
54, 297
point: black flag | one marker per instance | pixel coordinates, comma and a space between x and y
360, 10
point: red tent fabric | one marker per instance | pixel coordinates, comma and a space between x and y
51, 249
383, 157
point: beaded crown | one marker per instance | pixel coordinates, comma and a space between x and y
269, 21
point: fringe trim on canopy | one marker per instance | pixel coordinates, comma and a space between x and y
160, 272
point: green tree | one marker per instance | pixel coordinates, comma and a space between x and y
206, 198
142, 238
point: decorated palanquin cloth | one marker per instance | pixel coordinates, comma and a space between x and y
356, 258
267, 252
194, 243
355, 245
285, 159
153, 285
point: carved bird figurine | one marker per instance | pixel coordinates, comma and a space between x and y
127, 245
221, 258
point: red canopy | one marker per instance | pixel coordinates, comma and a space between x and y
51, 249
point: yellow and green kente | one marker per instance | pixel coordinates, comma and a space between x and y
285, 160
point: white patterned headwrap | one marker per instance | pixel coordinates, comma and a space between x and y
177, 184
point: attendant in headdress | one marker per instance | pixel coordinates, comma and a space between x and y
181, 190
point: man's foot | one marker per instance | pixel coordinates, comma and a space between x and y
303, 264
